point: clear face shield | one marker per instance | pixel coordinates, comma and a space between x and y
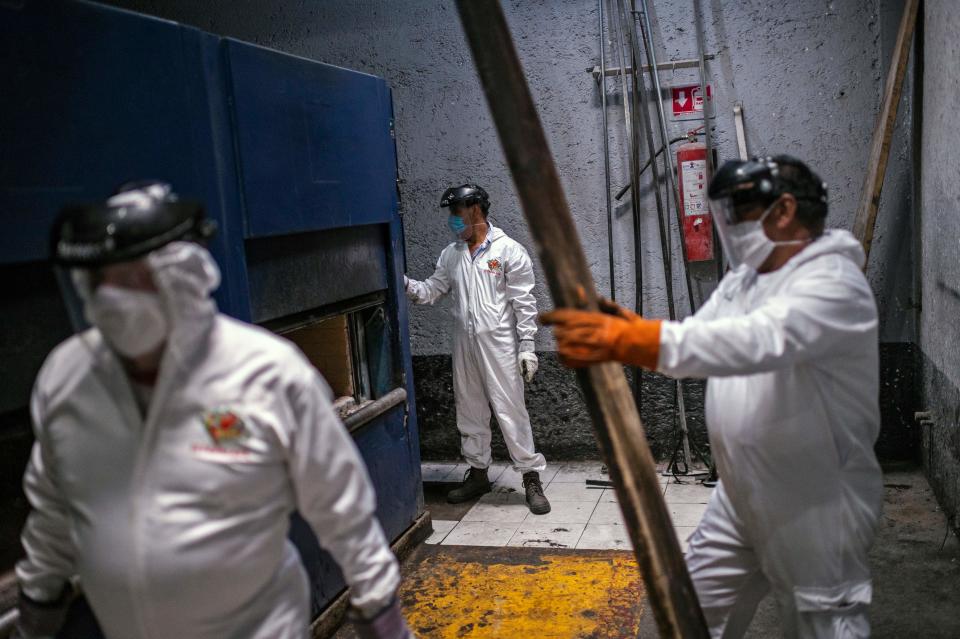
74, 290
724, 216
744, 240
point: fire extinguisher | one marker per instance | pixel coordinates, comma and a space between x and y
692, 178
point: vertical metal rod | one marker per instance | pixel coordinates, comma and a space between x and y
643, 116
621, 61
707, 135
630, 115
618, 427
647, 34
738, 123
680, 404
601, 82
702, 68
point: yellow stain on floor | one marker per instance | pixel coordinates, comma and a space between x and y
523, 592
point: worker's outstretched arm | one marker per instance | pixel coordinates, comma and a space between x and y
518, 274
821, 313
334, 494
826, 312
44, 573
431, 289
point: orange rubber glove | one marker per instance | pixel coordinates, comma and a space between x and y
616, 334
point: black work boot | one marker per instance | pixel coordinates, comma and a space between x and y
536, 500
475, 483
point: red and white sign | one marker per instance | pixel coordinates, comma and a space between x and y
687, 101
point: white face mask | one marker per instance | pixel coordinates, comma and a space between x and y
132, 322
747, 242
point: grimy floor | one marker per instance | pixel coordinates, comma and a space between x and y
492, 570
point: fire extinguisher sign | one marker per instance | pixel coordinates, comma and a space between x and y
688, 103
694, 185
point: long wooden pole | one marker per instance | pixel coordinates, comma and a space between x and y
616, 422
866, 217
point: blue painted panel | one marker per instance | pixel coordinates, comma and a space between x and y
67, 126
95, 96
314, 143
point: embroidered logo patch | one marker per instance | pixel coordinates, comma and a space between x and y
494, 265
224, 427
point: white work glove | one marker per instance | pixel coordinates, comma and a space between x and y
527, 360
406, 283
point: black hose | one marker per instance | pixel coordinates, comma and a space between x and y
626, 188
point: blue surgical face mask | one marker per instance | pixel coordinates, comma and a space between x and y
456, 224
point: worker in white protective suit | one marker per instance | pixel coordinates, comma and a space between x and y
788, 342
172, 445
490, 278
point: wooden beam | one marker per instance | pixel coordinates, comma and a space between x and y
866, 217
616, 422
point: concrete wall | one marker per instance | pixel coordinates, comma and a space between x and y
808, 73
940, 254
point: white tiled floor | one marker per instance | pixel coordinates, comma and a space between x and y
581, 517
604, 537
481, 533
607, 512
687, 493
547, 535
499, 508
441, 528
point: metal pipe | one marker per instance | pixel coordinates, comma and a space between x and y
359, 419
634, 173
633, 158
601, 82
671, 65
662, 214
708, 138
663, 218
647, 34
623, 86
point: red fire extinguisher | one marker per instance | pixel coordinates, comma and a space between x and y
692, 178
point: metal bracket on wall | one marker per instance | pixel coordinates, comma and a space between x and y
741, 137
672, 65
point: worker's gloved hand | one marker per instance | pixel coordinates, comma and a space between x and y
614, 334
527, 360
41, 619
406, 283
386, 624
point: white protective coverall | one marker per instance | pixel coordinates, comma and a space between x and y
792, 413
494, 317
175, 532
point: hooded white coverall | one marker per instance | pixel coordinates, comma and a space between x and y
792, 413
175, 532
494, 318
